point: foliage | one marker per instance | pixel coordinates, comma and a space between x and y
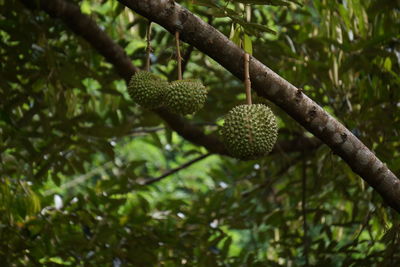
76, 151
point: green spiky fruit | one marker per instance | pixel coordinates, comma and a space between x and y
185, 96
147, 89
249, 131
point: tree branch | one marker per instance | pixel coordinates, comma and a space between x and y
304, 211
270, 85
175, 170
274, 178
84, 26
302, 144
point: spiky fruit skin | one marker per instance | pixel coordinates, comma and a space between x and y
147, 89
185, 96
249, 131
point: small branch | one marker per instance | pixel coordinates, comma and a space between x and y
247, 81
148, 49
298, 144
144, 131
364, 224
175, 170
79, 179
304, 211
178, 55
278, 175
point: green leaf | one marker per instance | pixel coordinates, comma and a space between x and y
247, 45
361, 17
236, 36
255, 27
344, 14
387, 64
85, 7
216, 12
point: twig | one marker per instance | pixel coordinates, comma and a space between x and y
146, 130
278, 175
79, 179
172, 171
304, 211
364, 225
178, 55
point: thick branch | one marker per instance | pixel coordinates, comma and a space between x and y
192, 133
87, 28
84, 26
270, 85
302, 144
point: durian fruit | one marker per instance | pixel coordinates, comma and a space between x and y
147, 89
185, 96
249, 131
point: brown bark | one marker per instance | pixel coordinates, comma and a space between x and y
85, 26
270, 85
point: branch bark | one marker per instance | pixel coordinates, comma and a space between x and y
270, 85
84, 26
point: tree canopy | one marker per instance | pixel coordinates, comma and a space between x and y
90, 178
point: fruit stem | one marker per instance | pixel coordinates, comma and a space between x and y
178, 55
247, 81
148, 49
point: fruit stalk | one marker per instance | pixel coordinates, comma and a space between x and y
148, 49
178, 55
247, 81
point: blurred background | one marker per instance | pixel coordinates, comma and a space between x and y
89, 178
